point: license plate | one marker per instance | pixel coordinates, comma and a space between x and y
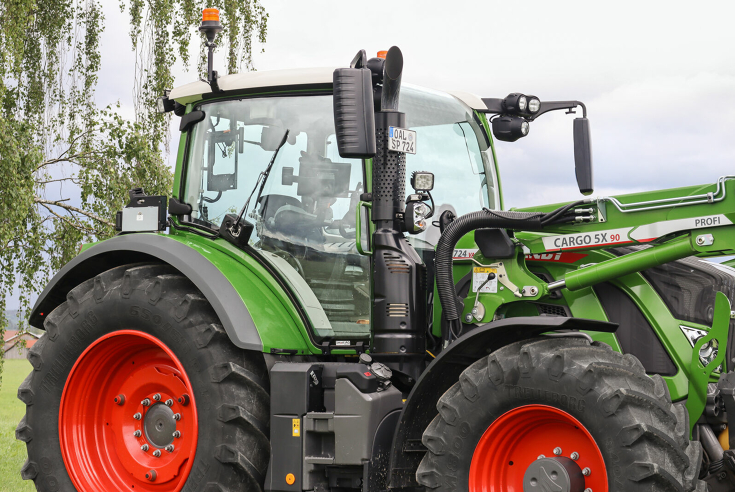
401, 140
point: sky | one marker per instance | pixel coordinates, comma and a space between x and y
658, 78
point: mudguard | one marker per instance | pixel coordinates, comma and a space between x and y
420, 408
135, 248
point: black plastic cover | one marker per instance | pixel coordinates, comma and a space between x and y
635, 334
495, 243
354, 119
359, 375
189, 119
583, 155
243, 233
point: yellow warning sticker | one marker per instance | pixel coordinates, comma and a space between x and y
296, 427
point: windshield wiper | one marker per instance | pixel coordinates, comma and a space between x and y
262, 178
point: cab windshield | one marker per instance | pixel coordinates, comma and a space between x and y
305, 216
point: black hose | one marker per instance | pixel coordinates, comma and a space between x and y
526, 221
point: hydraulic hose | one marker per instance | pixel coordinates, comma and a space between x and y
459, 227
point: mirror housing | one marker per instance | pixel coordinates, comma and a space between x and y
583, 155
354, 120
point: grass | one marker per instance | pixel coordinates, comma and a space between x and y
12, 452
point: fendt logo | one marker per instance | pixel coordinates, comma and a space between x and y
559, 257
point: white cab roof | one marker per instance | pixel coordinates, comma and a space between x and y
193, 91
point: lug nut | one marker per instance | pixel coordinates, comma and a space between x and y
144, 447
557, 451
575, 456
137, 416
169, 402
157, 453
588, 489
137, 433
184, 399
119, 399
177, 416
170, 448
177, 434
151, 475
157, 397
586, 472
540, 457
145, 402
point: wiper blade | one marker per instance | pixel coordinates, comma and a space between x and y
262, 178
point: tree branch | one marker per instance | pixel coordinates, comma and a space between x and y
64, 219
74, 209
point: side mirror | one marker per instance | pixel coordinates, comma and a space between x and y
354, 120
583, 155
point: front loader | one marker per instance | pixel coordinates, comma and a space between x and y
291, 320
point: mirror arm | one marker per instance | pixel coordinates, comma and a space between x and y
495, 106
547, 106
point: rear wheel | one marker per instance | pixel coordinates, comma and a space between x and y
136, 387
559, 415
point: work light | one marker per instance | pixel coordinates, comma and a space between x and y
534, 105
510, 128
515, 103
422, 181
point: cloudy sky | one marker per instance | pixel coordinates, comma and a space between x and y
658, 78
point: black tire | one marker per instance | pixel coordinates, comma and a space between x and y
642, 436
230, 385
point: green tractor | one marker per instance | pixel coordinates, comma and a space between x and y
304, 325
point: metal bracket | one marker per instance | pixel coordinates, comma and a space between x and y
705, 240
601, 211
358, 225
698, 373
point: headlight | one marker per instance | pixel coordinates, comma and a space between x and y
525, 127
415, 217
709, 350
534, 105
420, 210
522, 101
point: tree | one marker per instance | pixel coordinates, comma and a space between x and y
66, 164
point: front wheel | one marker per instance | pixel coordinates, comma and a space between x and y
136, 387
559, 415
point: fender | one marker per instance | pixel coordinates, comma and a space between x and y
444, 371
136, 248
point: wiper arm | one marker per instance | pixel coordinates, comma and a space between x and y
262, 178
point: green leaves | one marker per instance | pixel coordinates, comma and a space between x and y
66, 164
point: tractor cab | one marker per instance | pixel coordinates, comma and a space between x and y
304, 210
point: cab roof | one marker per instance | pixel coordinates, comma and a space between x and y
295, 77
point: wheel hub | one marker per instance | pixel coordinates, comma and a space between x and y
127, 419
159, 425
553, 475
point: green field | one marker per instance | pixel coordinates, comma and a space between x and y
12, 452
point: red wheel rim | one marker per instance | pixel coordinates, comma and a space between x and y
521, 436
104, 422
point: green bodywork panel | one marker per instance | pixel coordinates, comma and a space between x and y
699, 375
276, 318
